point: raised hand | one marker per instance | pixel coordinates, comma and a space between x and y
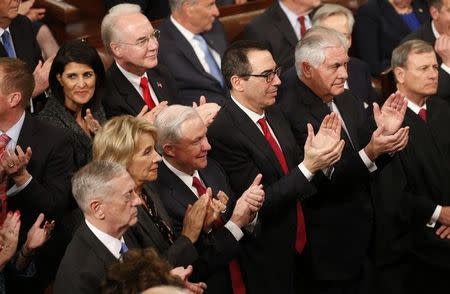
38, 235
9, 236
442, 48
15, 165
391, 114
329, 146
381, 143
216, 207
184, 274
194, 217
255, 195
207, 111
40, 75
443, 232
92, 124
150, 116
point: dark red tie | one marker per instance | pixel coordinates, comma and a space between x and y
423, 114
146, 93
301, 20
300, 239
4, 140
237, 283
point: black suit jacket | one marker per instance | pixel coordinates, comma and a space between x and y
192, 80
339, 218
122, 98
153, 9
425, 33
360, 83
25, 44
274, 30
217, 248
85, 263
379, 29
243, 151
181, 253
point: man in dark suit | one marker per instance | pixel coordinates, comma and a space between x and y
134, 79
183, 143
417, 188
436, 32
38, 165
192, 44
250, 136
105, 193
280, 28
359, 81
18, 41
339, 218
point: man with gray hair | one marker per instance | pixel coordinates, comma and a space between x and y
192, 44
340, 18
339, 217
415, 193
185, 174
104, 191
135, 79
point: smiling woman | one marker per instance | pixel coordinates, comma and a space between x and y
76, 80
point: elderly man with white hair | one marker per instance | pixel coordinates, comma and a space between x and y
339, 218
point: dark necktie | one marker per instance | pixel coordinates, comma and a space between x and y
4, 140
6, 40
146, 93
423, 114
301, 20
237, 283
162, 226
213, 67
300, 239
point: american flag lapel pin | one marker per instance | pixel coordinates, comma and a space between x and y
159, 84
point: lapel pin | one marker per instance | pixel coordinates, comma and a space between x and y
420, 10
159, 84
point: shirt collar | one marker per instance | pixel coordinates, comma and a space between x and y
185, 32
184, 177
293, 17
134, 79
250, 113
113, 244
14, 131
2, 30
414, 107
435, 32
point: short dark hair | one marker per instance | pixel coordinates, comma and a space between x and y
78, 51
139, 270
235, 60
17, 76
435, 3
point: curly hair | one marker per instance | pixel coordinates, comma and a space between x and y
139, 270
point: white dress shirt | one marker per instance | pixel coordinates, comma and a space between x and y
437, 35
114, 245
293, 19
189, 36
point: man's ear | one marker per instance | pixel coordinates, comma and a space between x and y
96, 209
168, 150
399, 73
236, 83
116, 49
434, 12
14, 99
306, 70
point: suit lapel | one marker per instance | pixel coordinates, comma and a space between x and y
252, 132
284, 26
27, 132
347, 114
157, 85
94, 243
151, 192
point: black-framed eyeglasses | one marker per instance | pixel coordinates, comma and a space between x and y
143, 42
269, 76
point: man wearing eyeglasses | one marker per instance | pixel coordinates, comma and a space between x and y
340, 218
192, 44
134, 79
251, 136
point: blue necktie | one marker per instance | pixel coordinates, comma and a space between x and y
123, 248
6, 40
213, 67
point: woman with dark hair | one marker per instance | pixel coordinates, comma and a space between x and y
76, 79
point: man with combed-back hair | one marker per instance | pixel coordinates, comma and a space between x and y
192, 44
339, 218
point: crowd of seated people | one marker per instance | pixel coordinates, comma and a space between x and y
192, 165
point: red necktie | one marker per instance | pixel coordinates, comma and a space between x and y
301, 20
423, 114
300, 239
4, 140
237, 283
146, 92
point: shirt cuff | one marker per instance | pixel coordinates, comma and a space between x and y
308, 175
15, 190
434, 218
445, 68
371, 166
251, 226
234, 230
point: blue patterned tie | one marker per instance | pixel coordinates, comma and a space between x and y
213, 67
123, 248
6, 40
